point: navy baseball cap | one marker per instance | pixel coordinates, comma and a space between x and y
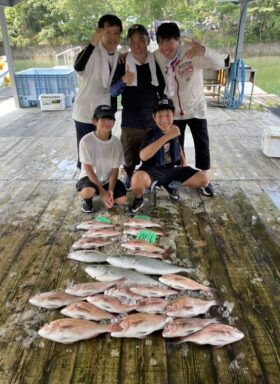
163, 104
104, 111
137, 28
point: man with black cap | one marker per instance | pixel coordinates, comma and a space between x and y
160, 152
101, 156
140, 82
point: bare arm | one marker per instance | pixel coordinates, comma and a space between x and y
154, 147
183, 159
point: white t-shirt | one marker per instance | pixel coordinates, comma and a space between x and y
103, 156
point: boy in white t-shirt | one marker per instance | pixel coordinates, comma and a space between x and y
101, 156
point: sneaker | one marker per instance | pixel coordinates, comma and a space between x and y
207, 191
152, 187
87, 206
127, 183
173, 193
137, 204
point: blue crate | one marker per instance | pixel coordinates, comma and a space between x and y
33, 82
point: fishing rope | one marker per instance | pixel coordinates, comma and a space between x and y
234, 89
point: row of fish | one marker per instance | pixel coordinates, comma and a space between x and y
124, 285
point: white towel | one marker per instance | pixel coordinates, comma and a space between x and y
107, 73
131, 62
170, 74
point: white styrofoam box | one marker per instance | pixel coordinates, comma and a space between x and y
271, 141
52, 102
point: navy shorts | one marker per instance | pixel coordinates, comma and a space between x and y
164, 175
85, 182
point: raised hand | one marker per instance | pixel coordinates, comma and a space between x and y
96, 37
128, 77
196, 49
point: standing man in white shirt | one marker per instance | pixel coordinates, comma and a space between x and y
96, 65
101, 156
182, 65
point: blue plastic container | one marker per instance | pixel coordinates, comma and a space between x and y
33, 82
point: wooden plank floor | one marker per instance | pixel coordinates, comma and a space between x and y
233, 241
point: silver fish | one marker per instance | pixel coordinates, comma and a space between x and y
146, 265
88, 256
140, 223
110, 304
87, 289
152, 291
152, 305
53, 299
182, 282
214, 334
140, 325
186, 326
189, 307
71, 330
86, 243
109, 273
143, 245
92, 224
87, 311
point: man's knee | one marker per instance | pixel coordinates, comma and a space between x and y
87, 193
204, 178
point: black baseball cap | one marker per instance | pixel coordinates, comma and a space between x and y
104, 111
163, 104
137, 28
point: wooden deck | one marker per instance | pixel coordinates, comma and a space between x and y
233, 240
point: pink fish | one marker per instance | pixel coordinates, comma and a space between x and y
140, 325
152, 291
189, 307
182, 282
53, 299
110, 304
87, 311
143, 245
89, 243
214, 334
152, 305
123, 292
92, 224
186, 326
140, 223
104, 233
135, 231
88, 289
71, 330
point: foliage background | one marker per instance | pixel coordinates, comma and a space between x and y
71, 22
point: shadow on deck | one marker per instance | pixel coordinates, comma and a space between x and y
232, 240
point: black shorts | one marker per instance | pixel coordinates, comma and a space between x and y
164, 175
85, 182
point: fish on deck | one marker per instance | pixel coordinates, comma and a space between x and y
110, 273
186, 326
133, 245
182, 282
189, 307
140, 223
68, 331
90, 243
103, 233
152, 305
110, 304
53, 299
134, 231
85, 310
152, 291
214, 334
87, 289
145, 265
140, 325
92, 224
88, 256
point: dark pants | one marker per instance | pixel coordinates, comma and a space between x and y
200, 136
82, 129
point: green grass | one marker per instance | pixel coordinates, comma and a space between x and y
21, 65
267, 72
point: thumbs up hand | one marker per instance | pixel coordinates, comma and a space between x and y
128, 77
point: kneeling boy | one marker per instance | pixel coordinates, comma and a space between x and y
159, 155
101, 155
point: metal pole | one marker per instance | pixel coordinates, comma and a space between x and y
8, 53
241, 29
